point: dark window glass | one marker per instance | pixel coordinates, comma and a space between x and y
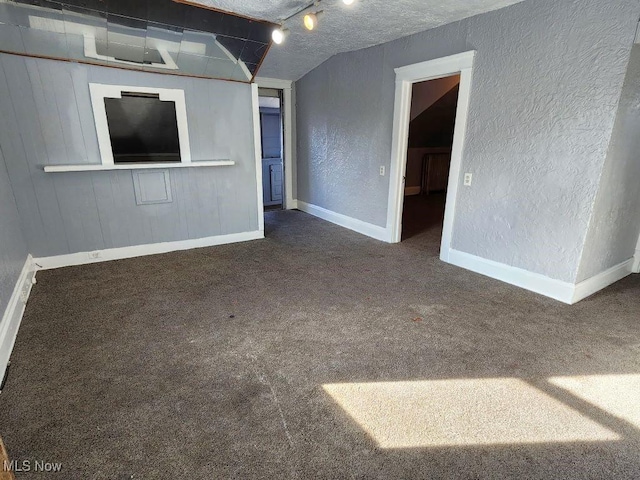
142, 129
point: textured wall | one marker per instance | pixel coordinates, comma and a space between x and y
546, 84
46, 118
615, 222
13, 248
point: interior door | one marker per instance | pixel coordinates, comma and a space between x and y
275, 175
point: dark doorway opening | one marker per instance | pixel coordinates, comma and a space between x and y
431, 127
271, 139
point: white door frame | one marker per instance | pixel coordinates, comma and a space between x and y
257, 145
287, 114
461, 64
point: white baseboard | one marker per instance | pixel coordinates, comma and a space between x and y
408, 191
602, 280
292, 205
82, 258
636, 262
562, 291
368, 229
13, 313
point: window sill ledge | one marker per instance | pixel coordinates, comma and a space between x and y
135, 166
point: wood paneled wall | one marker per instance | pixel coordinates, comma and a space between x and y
46, 118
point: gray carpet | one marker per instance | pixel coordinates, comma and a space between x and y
211, 363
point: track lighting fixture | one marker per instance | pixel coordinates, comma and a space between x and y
311, 20
279, 35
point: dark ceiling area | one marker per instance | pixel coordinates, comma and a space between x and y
434, 127
163, 36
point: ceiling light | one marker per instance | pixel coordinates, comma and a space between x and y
348, 2
311, 20
279, 34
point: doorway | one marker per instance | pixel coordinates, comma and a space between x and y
431, 124
271, 147
462, 66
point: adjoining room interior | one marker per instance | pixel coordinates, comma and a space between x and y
272, 137
431, 127
339, 239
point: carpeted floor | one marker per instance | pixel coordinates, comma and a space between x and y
320, 353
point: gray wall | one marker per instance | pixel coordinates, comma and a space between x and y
615, 222
13, 249
547, 80
47, 119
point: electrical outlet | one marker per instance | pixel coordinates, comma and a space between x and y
382, 170
468, 177
94, 255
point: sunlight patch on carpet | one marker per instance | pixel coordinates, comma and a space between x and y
618, 395
444, 413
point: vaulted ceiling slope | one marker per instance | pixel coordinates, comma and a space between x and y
343, 29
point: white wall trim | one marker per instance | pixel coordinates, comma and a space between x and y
13, 314
368, 229
405, 77
562, 291
409, 191
101, 91
82, 258
602, 280
636, 264
287, 110
287, 115
91, 51
559, 290
275, 83
257, 145
134, 166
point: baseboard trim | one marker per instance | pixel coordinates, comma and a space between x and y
409, 191
13, 313
636, 262
368, 229
565, 292
602, 280
83, 258
292, 205
549, 287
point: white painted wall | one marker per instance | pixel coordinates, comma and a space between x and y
48, 120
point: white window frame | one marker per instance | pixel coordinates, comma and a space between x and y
91, 51
100, 91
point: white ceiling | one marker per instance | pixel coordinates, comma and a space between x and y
343, 29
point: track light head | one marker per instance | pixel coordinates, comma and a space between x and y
311, 20
279, 35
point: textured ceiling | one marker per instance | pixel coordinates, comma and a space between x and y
342, 29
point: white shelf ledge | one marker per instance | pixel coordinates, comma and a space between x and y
135, 166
